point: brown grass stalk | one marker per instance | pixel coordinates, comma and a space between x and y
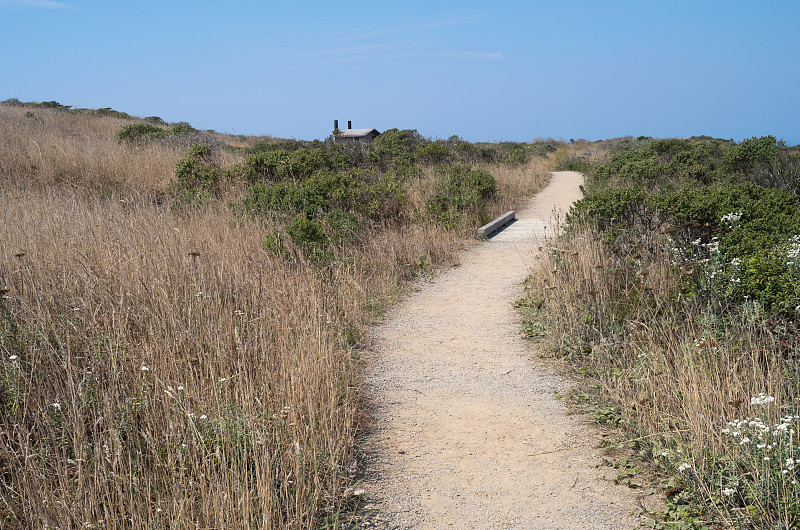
159, 368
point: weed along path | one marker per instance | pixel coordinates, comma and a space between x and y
466, 431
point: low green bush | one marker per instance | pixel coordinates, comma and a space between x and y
197, 178
462, 193
280, 164
437, 153
661, 164
395, 148
370, 197
139, 132
765, 161
339, 204
740, 237
142, 132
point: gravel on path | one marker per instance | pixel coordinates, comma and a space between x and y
466, 430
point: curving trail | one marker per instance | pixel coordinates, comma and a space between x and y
466, 430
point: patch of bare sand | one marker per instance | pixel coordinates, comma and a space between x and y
466, 431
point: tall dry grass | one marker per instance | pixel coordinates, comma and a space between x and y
51, 146
161, 370
678, 372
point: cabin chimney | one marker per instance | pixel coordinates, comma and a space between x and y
349, 124
335, 125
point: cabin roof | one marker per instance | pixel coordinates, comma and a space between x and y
355, 133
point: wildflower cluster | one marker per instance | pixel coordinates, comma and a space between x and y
732, 218
761, 399
793, 252
704, 344
767, 459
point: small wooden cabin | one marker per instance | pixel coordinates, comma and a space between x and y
353, 135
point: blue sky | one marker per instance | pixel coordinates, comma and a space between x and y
505, 70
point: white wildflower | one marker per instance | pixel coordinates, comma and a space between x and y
728, 492
761, 399
13, 358
732, 218
56, 405
145, 368
684, 467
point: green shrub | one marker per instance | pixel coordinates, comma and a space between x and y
197, 178
461, 193
277, 165
394, 148
605, 207
182, 128
513, 153
751, 154
379, 200
53, 105
542, 149
336, 204
765, 161
139, 132
307, 233
661, 164
467, 153
436, 153
739, 237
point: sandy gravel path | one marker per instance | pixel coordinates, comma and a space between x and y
466, 430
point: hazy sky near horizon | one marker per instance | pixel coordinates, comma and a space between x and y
505, 70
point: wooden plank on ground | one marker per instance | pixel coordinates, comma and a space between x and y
490, 228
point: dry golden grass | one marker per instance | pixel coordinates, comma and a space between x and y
79, 149
678, 373
160, 369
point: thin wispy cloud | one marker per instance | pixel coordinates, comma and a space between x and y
38, 3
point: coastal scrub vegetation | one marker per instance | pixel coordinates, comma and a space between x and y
181, 320
676, 290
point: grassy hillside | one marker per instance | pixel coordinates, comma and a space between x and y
677, 290
180, 324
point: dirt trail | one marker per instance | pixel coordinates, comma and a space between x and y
467, 432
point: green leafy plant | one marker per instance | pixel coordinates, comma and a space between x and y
461, 193
197, 178
139, 132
